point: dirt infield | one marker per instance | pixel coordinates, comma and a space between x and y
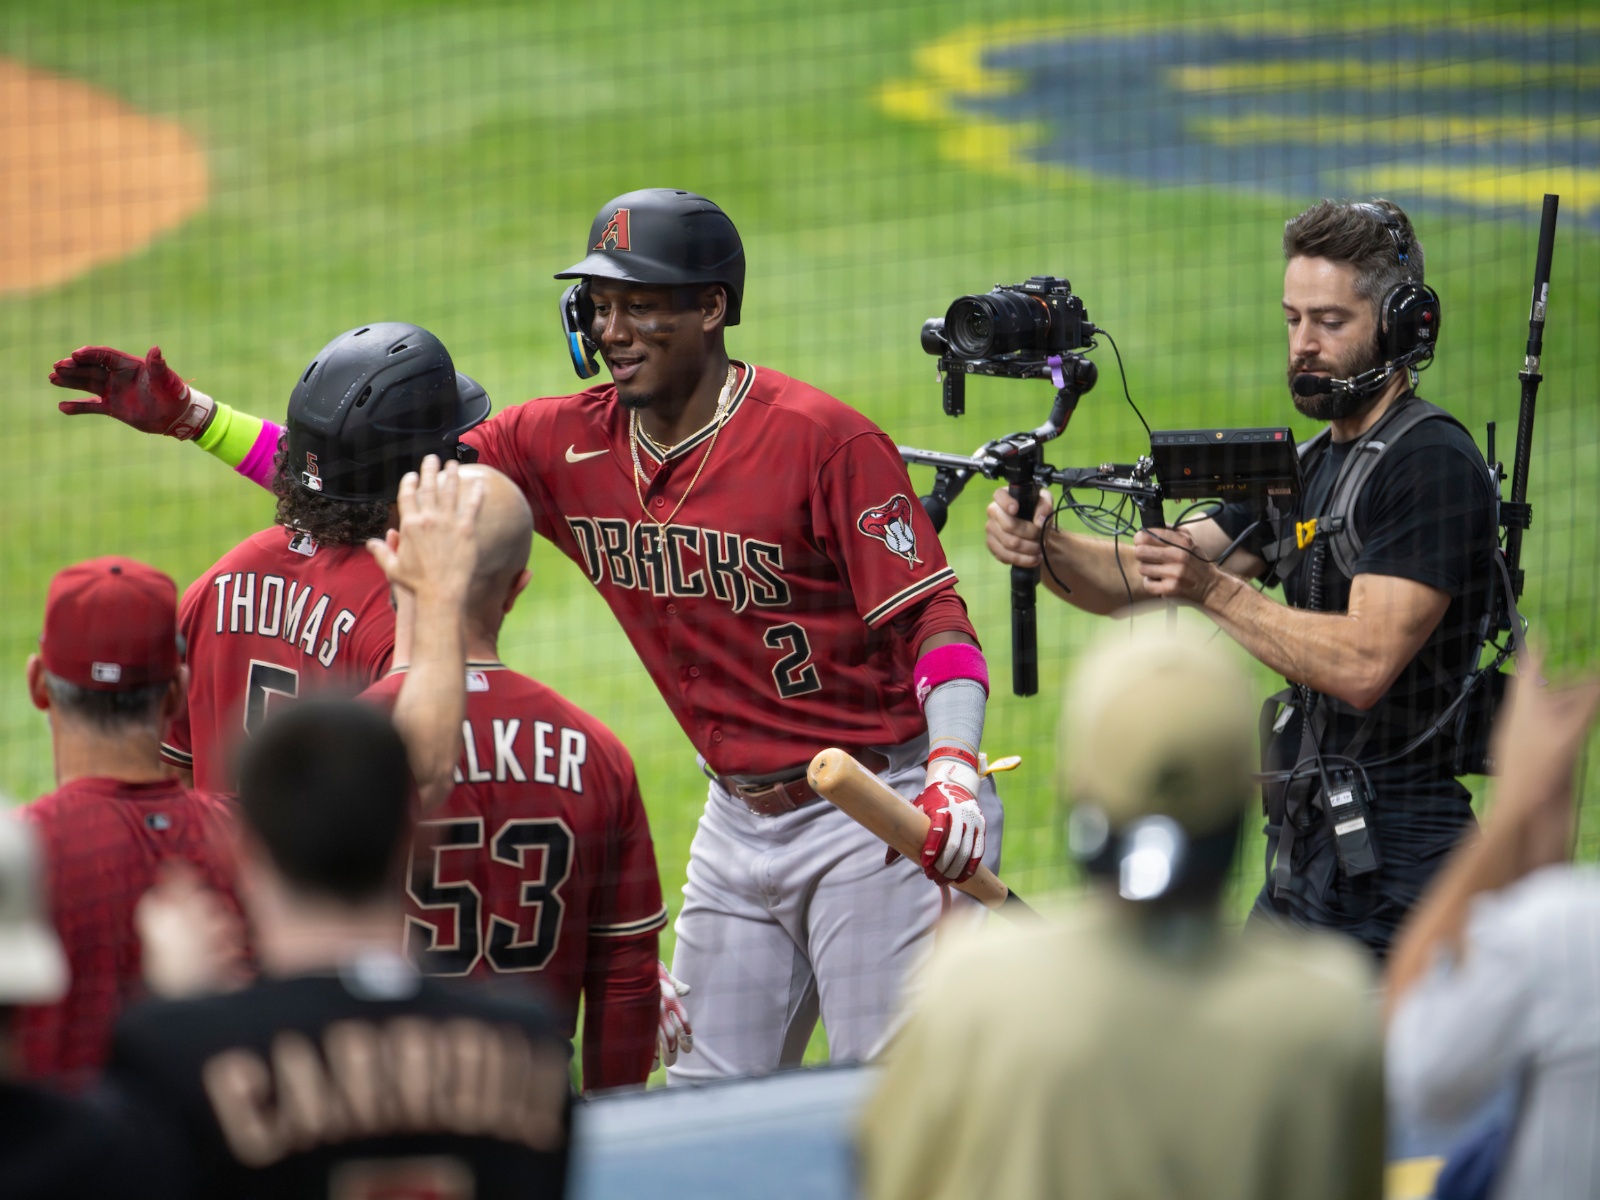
84, 179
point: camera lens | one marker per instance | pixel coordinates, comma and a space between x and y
998, 323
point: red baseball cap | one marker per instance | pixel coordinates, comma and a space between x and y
111, 624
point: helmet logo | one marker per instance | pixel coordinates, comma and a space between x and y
311, 477
615, 235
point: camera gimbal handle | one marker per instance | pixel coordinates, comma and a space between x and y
1018, 458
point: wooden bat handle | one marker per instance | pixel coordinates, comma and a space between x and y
869, 801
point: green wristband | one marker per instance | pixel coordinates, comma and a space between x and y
231, 435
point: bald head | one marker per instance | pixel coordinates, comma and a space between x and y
505, 537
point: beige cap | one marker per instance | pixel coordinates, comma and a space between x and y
33, 970
1159, 719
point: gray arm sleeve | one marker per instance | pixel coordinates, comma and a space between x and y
954, 711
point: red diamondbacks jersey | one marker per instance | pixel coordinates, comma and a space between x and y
542, 848
762, 608
278, 616
104, 842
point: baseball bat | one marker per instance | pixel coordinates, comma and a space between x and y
870, 802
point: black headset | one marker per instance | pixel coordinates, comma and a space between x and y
1408, 318
577, 315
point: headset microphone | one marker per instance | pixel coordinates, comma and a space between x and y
1366, 384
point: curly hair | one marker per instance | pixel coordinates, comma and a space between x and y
331, 522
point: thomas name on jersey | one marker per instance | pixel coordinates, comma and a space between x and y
681, 560
272, 607
541, 749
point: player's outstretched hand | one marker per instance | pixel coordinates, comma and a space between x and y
192, 943
433, 553
674, 1036
142, 392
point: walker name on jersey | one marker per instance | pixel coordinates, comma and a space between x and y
270, 606
682, 560
509, 752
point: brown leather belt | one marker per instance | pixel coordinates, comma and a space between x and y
774, 799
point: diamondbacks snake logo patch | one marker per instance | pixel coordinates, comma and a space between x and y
890, 523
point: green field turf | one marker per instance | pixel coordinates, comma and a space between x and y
435, 163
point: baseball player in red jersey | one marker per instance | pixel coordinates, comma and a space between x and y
301, 607
540, 864
108, 675
749, 533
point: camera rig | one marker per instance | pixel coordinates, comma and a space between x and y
1257, 466
1033, 330
1253, 465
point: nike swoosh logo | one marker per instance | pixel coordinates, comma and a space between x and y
573, 456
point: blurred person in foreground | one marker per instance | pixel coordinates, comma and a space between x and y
1495, 981
108, 675
1139, 1047
50, 1145
344, 1072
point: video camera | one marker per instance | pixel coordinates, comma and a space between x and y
1034, 330
1016, 330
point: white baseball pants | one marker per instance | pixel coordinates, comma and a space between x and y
790, 916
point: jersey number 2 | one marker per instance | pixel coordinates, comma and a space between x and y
539, 889
795, 673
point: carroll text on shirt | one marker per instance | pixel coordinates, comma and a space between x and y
681, 560
406, 1075
280, 609
511, 748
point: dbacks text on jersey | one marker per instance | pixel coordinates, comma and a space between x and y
681, 560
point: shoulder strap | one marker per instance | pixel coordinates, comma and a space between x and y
1344, 539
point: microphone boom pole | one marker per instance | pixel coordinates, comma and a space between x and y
1517, 514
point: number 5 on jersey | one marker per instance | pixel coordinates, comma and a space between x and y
265, 681
795, 673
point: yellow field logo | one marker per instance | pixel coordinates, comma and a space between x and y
1482, 115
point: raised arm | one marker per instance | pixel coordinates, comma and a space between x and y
431, 558
149, 395
1540, 733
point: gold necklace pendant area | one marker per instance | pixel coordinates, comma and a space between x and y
716, 423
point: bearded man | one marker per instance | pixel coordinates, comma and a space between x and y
1385, 565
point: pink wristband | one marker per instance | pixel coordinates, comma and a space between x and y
257, 465
958, 660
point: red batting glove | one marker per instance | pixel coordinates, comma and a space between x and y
954, 846
142, 392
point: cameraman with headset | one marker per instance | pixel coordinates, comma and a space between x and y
1385, 564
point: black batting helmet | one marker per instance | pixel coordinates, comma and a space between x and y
665, 236
372, 405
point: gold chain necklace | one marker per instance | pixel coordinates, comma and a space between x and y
717, 421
